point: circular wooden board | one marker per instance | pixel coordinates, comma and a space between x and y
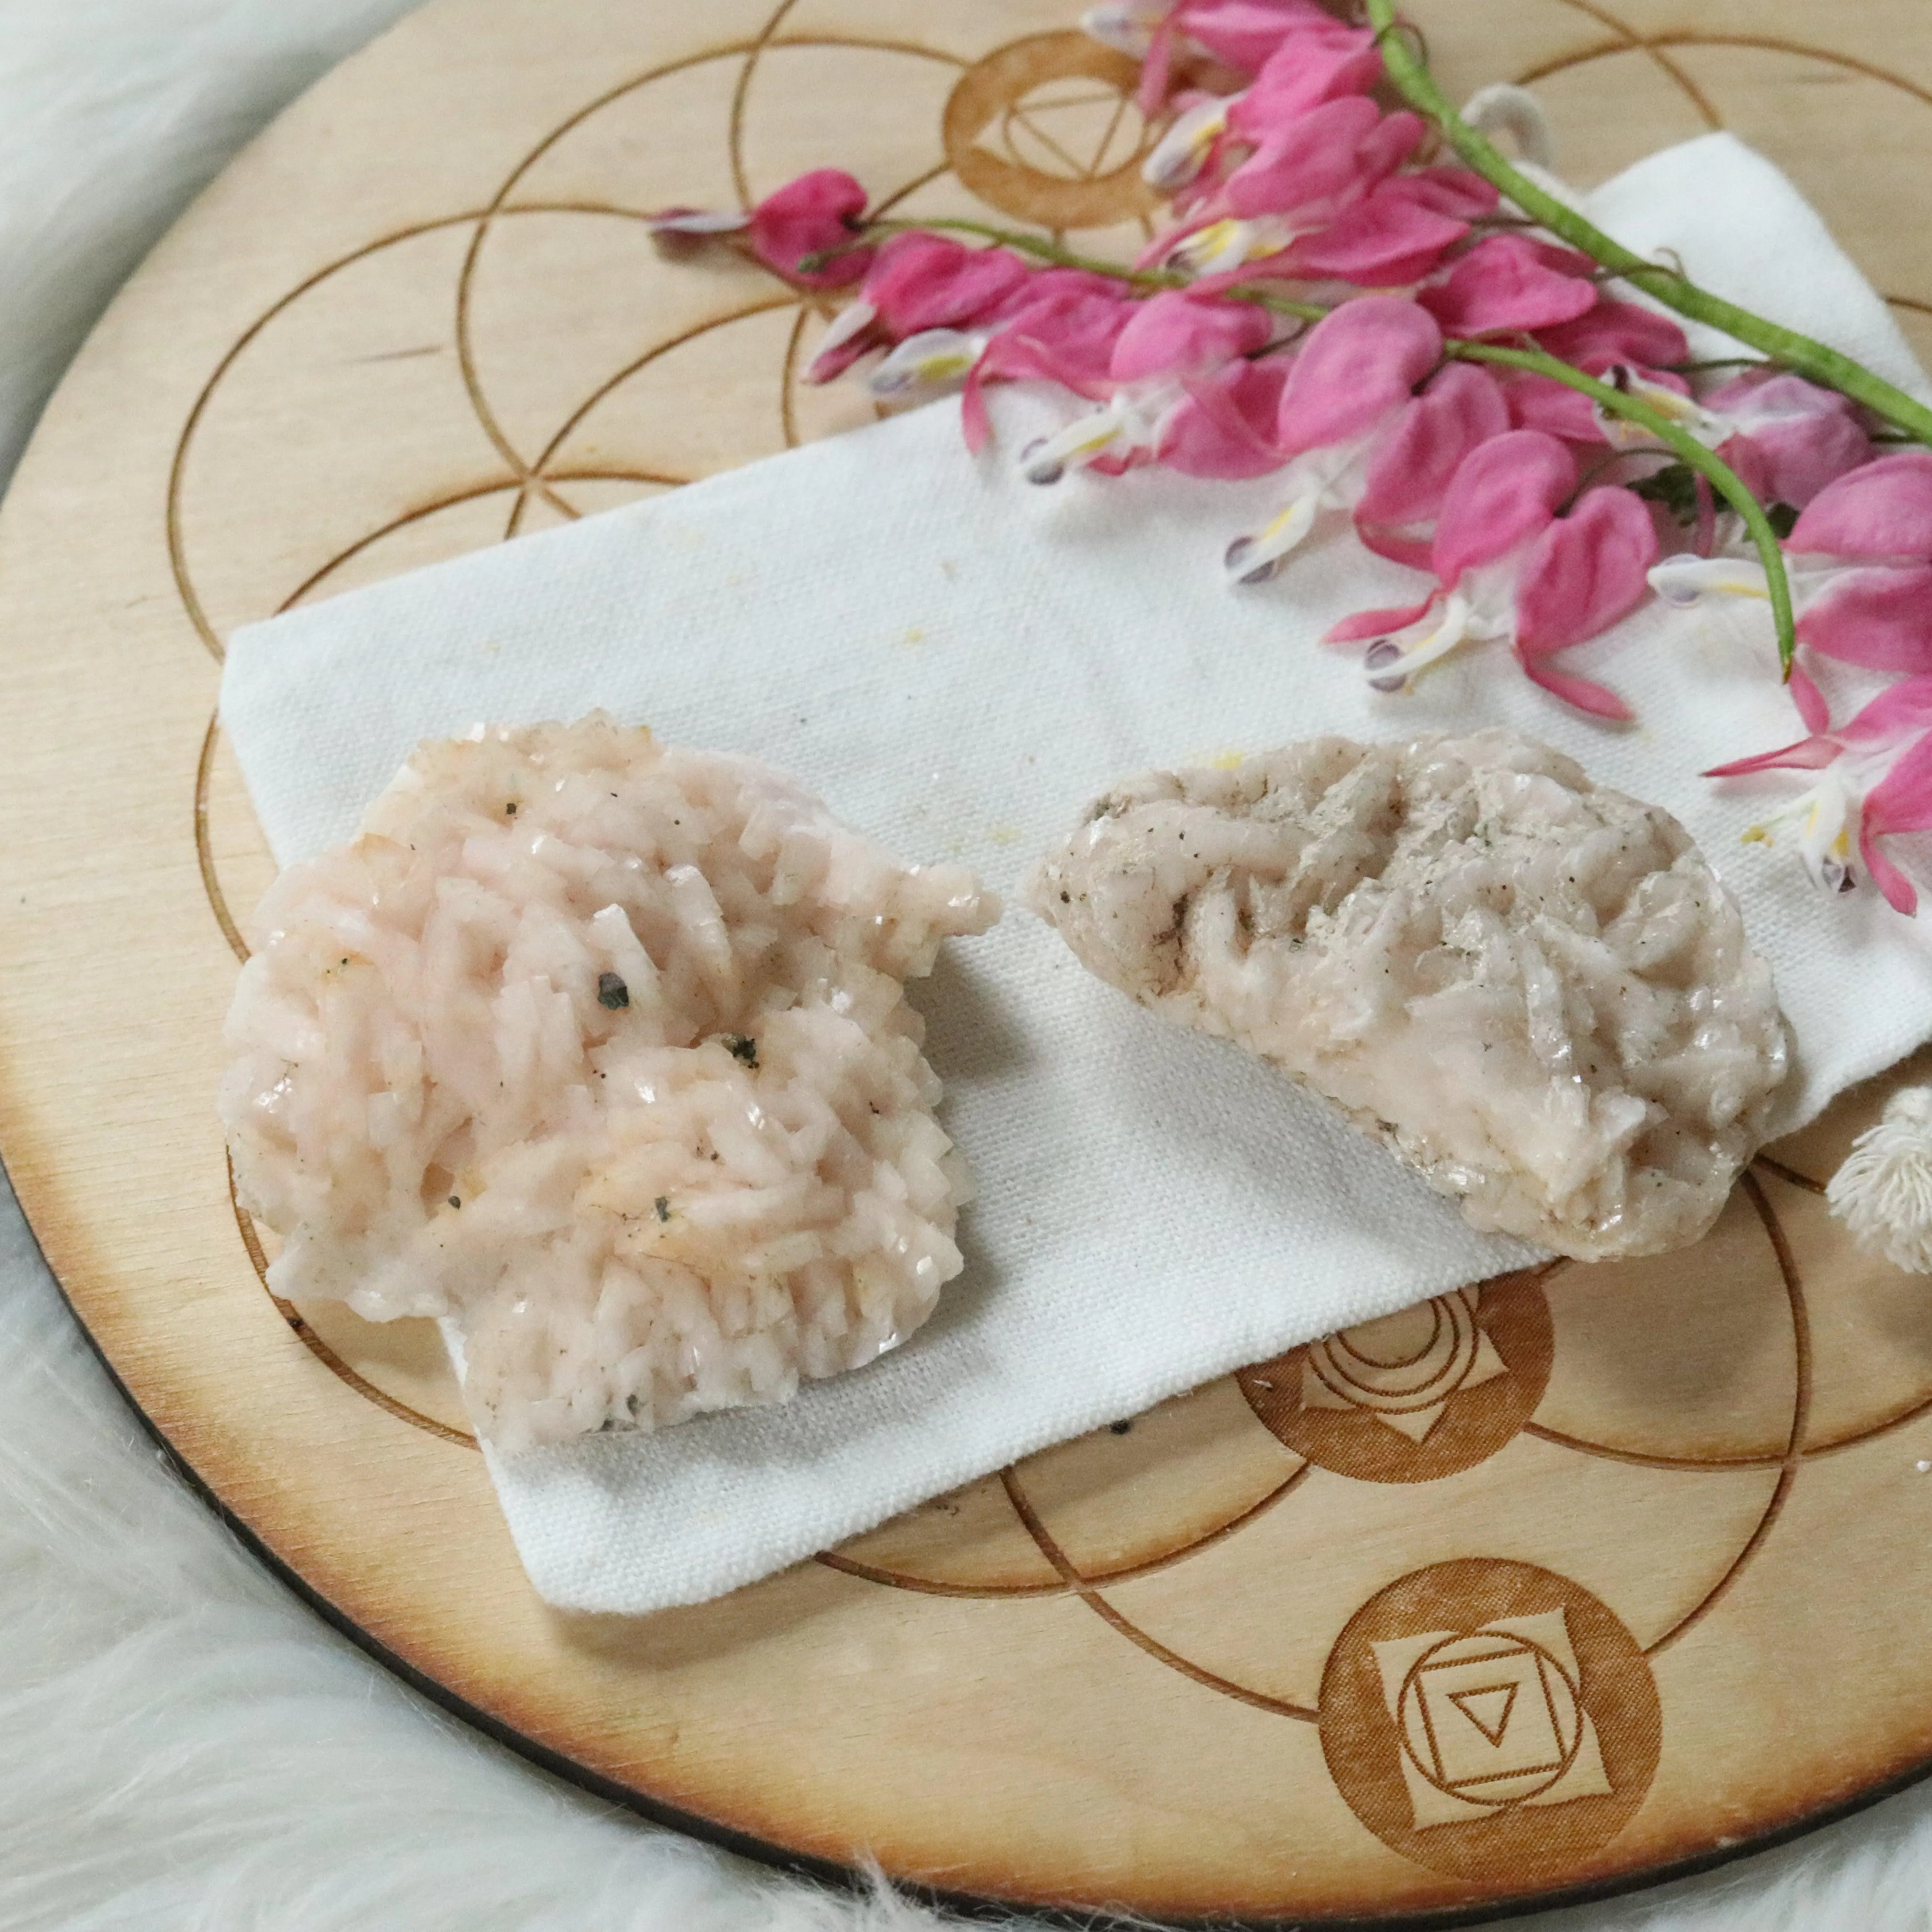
1562, 1583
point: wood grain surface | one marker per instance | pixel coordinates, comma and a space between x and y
1553, 1585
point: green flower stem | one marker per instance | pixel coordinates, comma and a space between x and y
1411, 78
1044, 250
1036, 245
1686, 448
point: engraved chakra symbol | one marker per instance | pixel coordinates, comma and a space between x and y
1489, 1719
1403, 1370
1046, 129
1416, 1395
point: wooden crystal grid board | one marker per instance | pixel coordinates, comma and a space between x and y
1553, 1584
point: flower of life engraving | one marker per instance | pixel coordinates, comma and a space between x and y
1487, 1716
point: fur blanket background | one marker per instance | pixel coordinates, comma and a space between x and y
182, 1745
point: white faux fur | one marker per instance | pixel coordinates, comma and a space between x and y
183, 1747
1882, 1192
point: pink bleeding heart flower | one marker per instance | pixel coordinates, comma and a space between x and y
1353, 376
1067, 320
1583, 574
1389, 237
1786, 438
1616, 332
1062, 330
1396, 234
1859, 563
1071, 320
1510, 284
1790, 438
1170, 341
1301, 177
917, 283
1877, 780
1354, 366
1509, 565
1446, 188
1883, 510
1408, 472
1505, 494
1311, 66
1318, 62
1613, 335
1176, 333
1225, 428
1244, 34
1237, 34
812, 220
1308, 169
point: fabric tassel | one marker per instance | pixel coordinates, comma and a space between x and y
1883, 1191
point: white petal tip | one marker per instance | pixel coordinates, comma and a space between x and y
1037, 464
1243, 562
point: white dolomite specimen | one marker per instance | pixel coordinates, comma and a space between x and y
1535, 992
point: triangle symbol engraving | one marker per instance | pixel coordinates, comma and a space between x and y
1487, 1708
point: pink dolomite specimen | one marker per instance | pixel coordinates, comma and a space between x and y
600, 1048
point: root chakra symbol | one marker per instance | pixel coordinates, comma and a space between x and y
1490, 1719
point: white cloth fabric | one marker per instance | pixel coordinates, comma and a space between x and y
957, 662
